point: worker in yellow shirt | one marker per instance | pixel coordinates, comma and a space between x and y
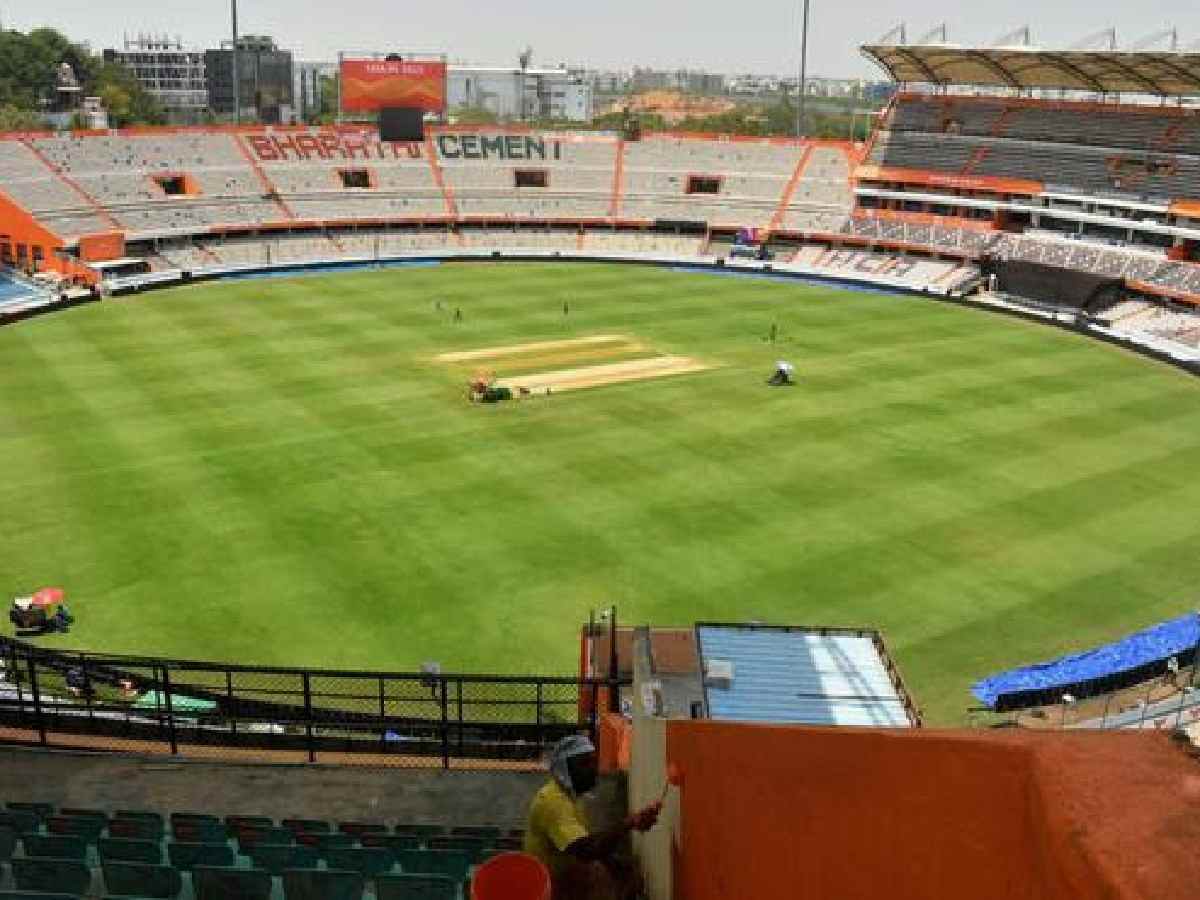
582, 865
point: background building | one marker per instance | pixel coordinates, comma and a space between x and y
173, 75
691, 81
514, 93
307, 91
265, 80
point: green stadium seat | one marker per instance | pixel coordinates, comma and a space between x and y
8, 842
419, 830
41, 810
307, 826
230, 884
453, 863
142, 814
194, 817
485, 832
415, 887
129, 879
54, 876
185, 856
76, 813
393, 841
87, 828
35, 895
198, 823
360, 828
136, 829
370, 861
472, 846
22, 821
199, 832
243, 822
322, 884
325, 842
252, 837
122, 850
55, 846
277, 857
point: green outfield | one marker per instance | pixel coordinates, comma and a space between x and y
280, 471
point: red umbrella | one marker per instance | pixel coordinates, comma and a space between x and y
49, 597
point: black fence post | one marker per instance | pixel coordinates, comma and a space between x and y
541, 737
595, 703
382, 717
86, 688
166, 692
614, 665
308, 718
232, 710
18, 680
37, 699
459, 695
445, 723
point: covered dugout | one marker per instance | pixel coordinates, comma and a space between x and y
1084, 291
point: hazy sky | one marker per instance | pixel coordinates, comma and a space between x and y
761, 36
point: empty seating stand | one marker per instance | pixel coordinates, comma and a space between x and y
1139, 152
74, 853
162, 186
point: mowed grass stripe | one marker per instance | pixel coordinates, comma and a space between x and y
985, 490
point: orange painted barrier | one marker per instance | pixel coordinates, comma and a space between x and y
20, 228
511, 876
1189, 208
616, 734
101, 247
791, 813
925, 178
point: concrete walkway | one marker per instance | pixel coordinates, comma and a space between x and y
110, 782
115, 781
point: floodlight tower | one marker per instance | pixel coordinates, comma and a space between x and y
800, 106
237, 85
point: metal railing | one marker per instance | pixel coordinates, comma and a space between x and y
1163, 702
179, 707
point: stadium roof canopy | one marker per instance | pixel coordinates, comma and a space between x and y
1160, 73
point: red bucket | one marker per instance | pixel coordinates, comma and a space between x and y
511, 876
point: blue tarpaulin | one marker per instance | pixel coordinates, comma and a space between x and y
1155, 644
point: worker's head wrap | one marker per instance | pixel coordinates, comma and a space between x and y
571, 745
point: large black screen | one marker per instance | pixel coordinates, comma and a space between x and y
401, 123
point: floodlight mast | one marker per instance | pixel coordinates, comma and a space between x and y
237, 81
801, 122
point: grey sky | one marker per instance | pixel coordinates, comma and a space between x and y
722, 35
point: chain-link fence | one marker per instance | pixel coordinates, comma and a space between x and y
161, 706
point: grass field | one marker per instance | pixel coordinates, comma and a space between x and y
280, 472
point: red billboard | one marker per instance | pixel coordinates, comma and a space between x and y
368, 85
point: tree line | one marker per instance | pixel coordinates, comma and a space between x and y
29, 70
